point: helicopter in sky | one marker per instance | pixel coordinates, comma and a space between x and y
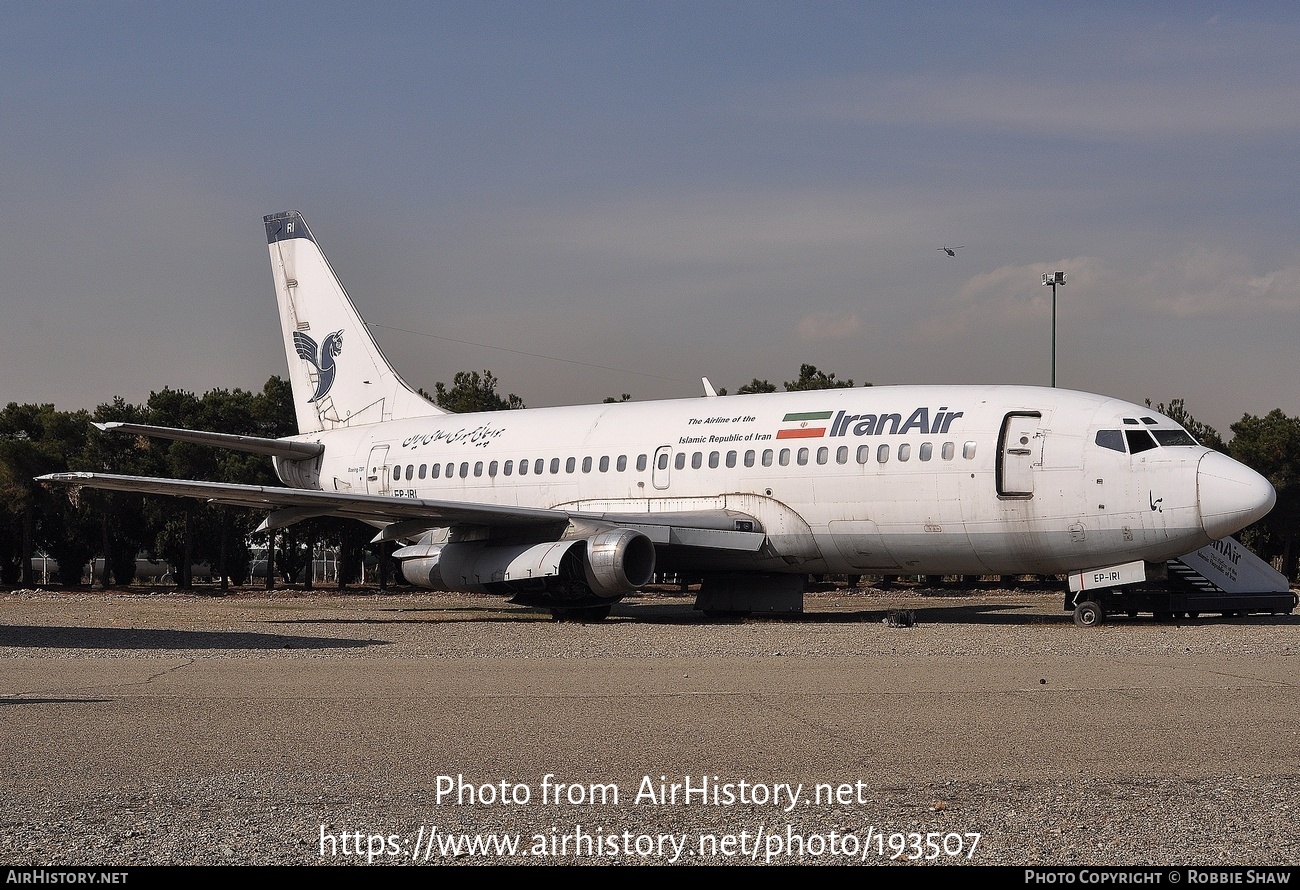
951, 251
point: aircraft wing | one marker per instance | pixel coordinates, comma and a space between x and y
409, 517
300, 503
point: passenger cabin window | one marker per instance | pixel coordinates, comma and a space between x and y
749, 458
842, 454
641, 463
604, 464
1112, 439
663, 461
586, 464
926, 450
864, 453
968, 451
570, 465
949, 450
539, 464
680, 461
882, 454
802, 457
904, 451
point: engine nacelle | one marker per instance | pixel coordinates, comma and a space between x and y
602, 567
619, 561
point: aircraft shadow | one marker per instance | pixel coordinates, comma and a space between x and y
44, 637
53, 701
476, 614
984, 613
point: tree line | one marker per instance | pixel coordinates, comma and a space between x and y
113, 528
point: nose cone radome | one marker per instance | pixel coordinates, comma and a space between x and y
1231, 495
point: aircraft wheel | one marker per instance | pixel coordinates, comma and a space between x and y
1088, 614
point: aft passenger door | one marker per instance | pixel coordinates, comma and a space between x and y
378, 473
1020, 448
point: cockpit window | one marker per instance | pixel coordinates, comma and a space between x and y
1112, 439
1149, 421
1139, 441
1174, 437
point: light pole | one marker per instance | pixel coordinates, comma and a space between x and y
1054, 278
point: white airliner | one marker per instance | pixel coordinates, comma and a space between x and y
571, 508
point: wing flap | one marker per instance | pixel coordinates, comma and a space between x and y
710, 538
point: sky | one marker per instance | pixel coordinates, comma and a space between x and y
592, 199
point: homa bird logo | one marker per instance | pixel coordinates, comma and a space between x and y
322, 362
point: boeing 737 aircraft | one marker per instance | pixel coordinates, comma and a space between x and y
571, 508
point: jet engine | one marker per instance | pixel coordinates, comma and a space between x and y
594, 570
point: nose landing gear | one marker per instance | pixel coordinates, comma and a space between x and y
1088, 614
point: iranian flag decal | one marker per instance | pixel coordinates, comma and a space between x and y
805, 425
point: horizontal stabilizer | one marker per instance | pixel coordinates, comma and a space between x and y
285, 448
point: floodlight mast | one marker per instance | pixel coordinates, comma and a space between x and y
1054, 278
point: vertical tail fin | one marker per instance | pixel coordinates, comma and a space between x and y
338, 373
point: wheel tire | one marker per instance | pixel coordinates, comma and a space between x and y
1088, 614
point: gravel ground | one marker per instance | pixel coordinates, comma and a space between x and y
81, 791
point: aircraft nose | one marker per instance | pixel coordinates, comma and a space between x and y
1231, 495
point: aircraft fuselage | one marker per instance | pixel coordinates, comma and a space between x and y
899, 479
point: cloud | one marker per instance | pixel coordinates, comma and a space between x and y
822, 326
1139, 108
1203, 282
1194, 283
